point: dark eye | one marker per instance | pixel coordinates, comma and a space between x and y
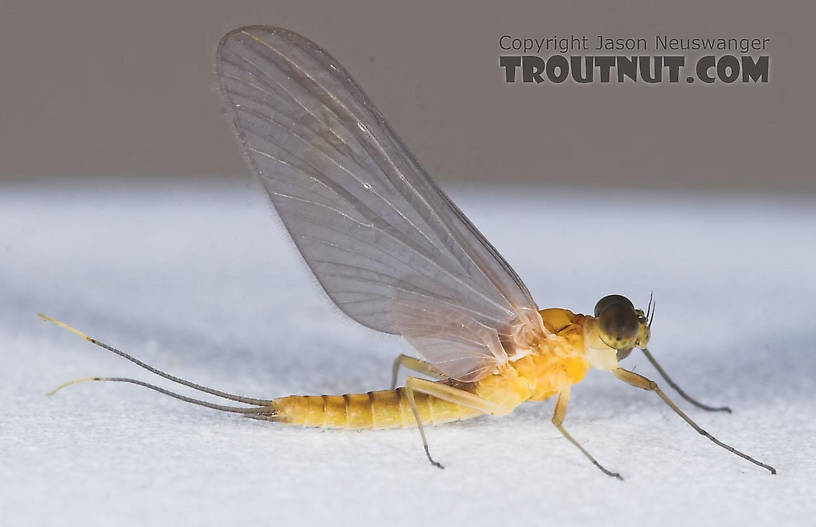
612, 300
618, 322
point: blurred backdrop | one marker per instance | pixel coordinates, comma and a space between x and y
101, 87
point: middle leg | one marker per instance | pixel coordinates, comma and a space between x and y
558, 420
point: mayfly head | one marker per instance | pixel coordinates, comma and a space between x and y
620, 325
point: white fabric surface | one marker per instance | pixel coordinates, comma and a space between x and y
197, 278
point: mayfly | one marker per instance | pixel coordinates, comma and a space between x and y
397, 255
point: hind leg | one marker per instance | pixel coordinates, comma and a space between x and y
414, 364
445, 393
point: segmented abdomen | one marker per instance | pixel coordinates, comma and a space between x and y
380, 409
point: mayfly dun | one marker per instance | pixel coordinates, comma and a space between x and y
397, 255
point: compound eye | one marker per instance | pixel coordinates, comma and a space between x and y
610, 300
619, 325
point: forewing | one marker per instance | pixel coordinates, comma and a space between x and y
453, 340
370, 223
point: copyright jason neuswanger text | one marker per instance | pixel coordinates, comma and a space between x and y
707, 60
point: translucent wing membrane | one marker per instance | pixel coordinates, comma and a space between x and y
453, 340
388, 246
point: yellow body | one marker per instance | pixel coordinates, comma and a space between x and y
548, 364
557, 362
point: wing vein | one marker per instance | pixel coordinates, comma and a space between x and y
385, 233
383, 152
385, 242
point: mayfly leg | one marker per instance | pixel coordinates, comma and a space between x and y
683, 394
414, 364
558, 419
445, 393
639, 381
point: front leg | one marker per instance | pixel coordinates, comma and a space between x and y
639, 381
679, 390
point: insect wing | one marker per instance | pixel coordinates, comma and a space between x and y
387, 245
456, 343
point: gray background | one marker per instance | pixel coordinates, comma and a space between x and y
127, 88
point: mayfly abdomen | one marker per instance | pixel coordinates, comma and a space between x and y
373, 410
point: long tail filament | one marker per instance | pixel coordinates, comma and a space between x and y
261, 408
